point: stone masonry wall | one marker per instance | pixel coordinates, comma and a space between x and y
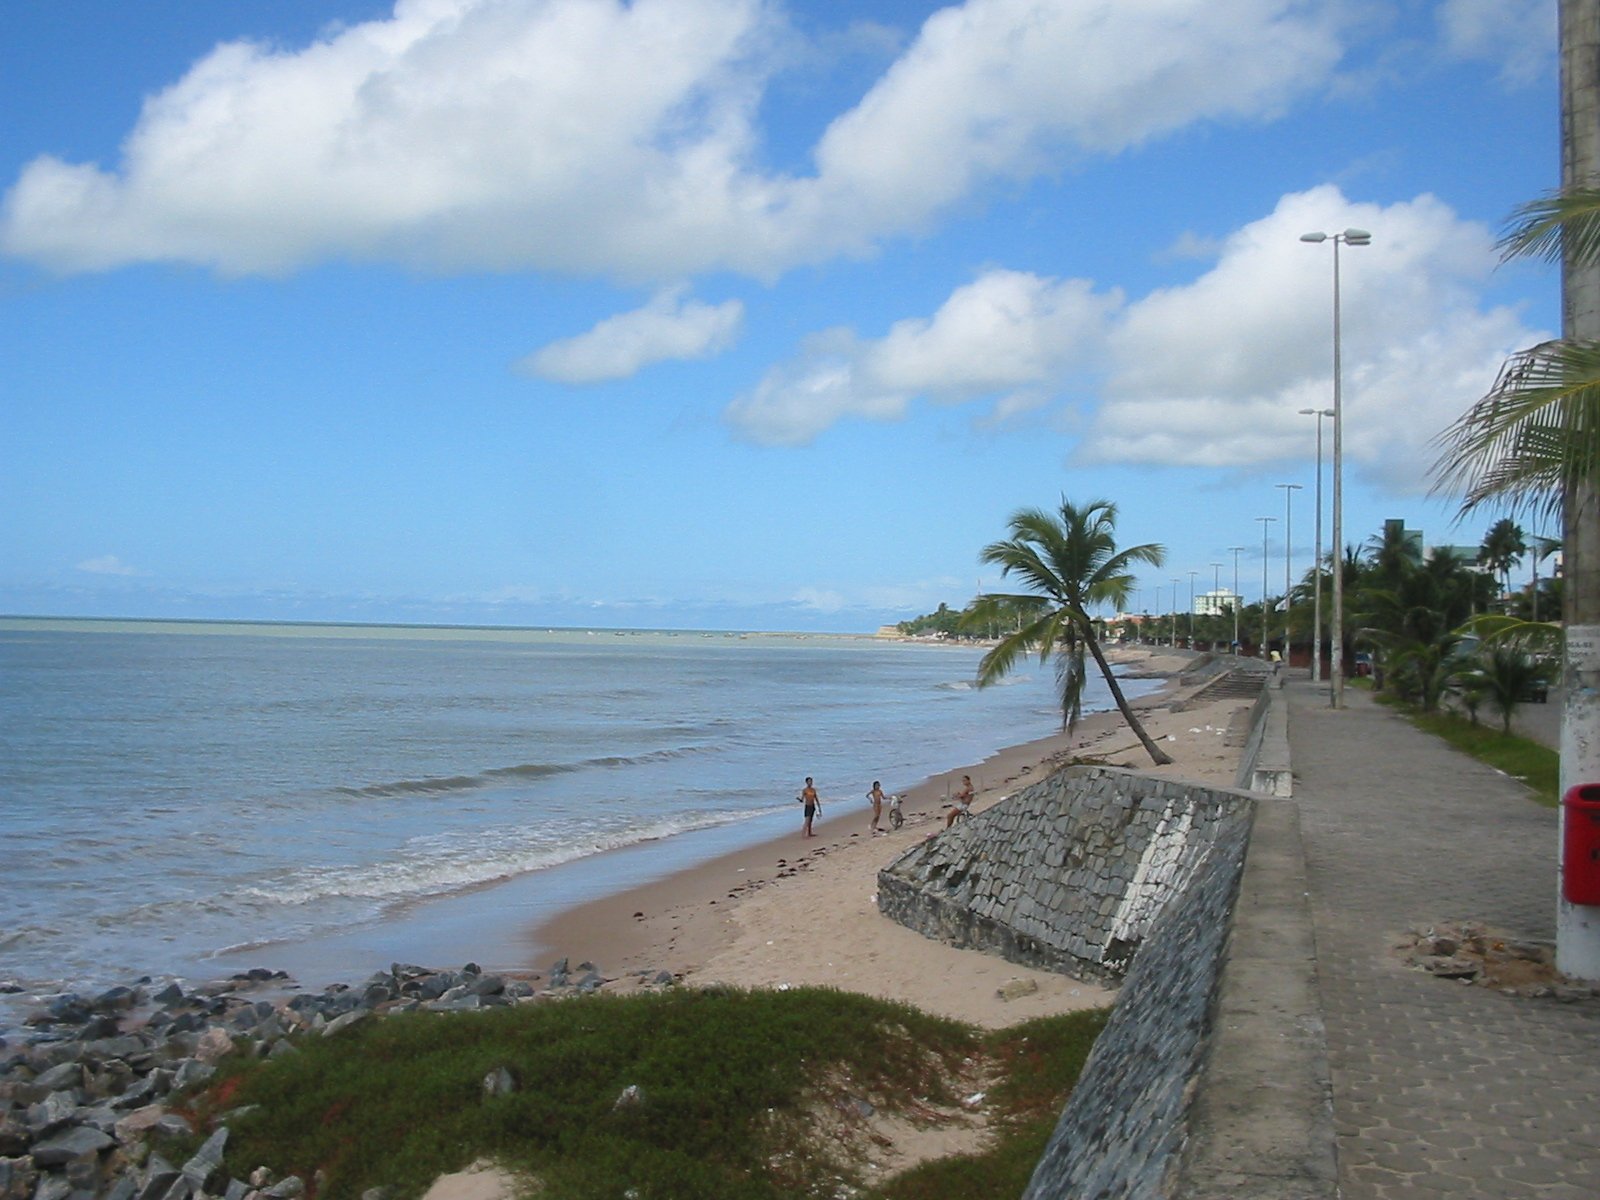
1123, 1131
1068, 874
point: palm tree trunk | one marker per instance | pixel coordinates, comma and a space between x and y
1157, 755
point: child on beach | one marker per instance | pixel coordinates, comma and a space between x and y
963, 806
876, 797
808, 797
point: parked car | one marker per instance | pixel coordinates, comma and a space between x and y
1363, 663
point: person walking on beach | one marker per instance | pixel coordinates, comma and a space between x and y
963, 806
876, 796
808, 797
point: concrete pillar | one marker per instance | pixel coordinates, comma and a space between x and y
1578, 926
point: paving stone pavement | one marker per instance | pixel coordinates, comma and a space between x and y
1439, 1088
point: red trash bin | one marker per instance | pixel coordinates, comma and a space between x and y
1580, 845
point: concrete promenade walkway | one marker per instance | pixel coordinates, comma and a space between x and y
1439, 1088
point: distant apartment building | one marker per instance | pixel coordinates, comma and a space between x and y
1218, 603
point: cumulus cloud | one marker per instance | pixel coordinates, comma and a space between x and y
1207, 373
594, 136
1003, 88
668, 327
453, 134
1007, 332
1520, 35
1211, 373
107, 564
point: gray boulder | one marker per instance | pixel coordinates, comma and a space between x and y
59, 1149
498, 1082
206, 1165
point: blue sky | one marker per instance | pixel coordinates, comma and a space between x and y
731, 313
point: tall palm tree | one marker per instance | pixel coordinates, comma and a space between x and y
1070, 563
1503, 547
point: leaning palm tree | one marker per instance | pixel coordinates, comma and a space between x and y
1070, 563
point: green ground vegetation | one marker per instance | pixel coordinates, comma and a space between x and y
740, 1094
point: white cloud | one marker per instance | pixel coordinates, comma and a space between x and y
668, 327
1001, 88
800, 399
825, 600
1520, 35
107, 564
1210, 373
593, 136
566, 134
1005, 331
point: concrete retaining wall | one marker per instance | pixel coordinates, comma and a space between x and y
1264, 765
1124, 1128
1068, 874
1210, 1080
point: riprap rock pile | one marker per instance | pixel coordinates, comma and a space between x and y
87, 1086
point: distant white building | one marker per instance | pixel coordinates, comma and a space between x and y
1217, 604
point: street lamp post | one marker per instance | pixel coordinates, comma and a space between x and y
1237, 550
1265, 523
1192, 574
1316, 566
1289, 489
1175, 583
1216, 592
1350, 237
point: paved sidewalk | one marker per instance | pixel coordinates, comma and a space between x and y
1439, 1088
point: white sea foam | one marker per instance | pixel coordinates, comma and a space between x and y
173, 791
440, 866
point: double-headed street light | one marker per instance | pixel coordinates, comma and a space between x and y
1266, 522
1350, 237
1316, 563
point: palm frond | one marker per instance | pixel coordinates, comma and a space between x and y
1114, 582
1543, 638
1533, 437
1562, 224
1039, 637
1021, 557
1071, 674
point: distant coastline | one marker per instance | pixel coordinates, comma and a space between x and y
34, 623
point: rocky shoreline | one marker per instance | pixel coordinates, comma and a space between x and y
90, 1088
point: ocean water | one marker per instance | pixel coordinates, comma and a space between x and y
175, 794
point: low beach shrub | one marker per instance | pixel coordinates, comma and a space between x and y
716, 1093
1036, 1064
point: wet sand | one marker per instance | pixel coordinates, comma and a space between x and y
799, 910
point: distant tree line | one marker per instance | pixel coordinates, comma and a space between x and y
945, 622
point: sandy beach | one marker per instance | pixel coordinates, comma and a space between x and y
798, 911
